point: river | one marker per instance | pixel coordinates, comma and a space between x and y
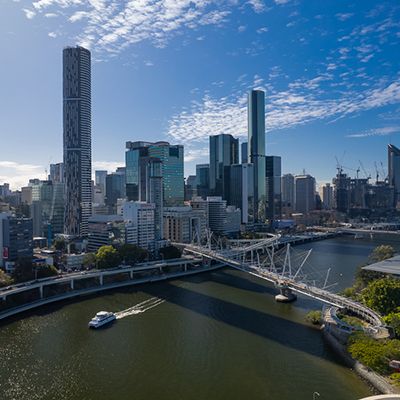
219, 335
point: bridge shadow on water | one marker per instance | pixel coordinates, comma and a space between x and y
286, 332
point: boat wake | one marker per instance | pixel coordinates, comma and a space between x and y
140, 307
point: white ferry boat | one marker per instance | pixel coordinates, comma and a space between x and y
102, 318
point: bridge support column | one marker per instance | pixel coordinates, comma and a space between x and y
72, 284
41, 291
131, 274
101, 279
286, 294
185, 266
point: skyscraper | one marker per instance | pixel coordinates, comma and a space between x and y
203, 180
77, 140
244, 153
288, 191
57, 173
171, 157
305, 193
327, 196
273, 187
394, 170
256, 150
224, 151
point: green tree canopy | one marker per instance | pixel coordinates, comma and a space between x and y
107, 257
382, 295
59, 244
89, 260
132, 254
46, 271
5, 279
382, 252
170, 252
393, 320
23, 270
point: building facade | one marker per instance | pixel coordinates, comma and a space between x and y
273, 174
256, 150
304, 193
77, 140
224, 151
394, 171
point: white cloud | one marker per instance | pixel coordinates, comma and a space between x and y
113, 25
281, 1
284, 109
52, 34
344, 16
262, 30
29, 13
18, 174
385, 131
109, 166
242, 28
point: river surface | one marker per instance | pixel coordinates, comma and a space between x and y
215, 336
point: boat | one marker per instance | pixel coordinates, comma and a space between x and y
102, 318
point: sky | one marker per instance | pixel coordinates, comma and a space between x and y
180, 70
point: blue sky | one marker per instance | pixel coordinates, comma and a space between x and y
180, 70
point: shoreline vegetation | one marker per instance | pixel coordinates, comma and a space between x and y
370, 357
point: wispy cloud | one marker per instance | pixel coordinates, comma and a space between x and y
18, 174
385, 131
344, 16
284, 109
114, 25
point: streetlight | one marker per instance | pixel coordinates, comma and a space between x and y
315, 394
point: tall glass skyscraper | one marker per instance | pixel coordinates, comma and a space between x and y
77, 140
273, 187
256, 150
171, 157
394, 171
224, 151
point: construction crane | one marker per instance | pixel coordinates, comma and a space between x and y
368, 176
377, 172
338, 166
385, 177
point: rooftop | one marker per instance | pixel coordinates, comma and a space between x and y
389, 266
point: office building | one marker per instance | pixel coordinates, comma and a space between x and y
327, 196
342, 191
242, 190
26, 195
256, 150
105, 230
190, 187
115, 188
77, 140
171, 157
56, 173
273, 187
15, 240
184, 224
203, 180
100, 180
51, 198
224, 151
244, 156
5, 190
139, 224
394, 171
287, 185
304, 193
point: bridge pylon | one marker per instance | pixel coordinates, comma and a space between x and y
286, 294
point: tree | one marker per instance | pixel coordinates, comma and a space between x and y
46, 271
373, 353
132, 254
5, 279
59, 244
107, 257
393, 320
89, 260
382, 252
23, 270
170, 252
314, 317
382, 295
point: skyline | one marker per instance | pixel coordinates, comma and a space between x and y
180, 74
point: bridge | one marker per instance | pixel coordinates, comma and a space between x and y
261, 258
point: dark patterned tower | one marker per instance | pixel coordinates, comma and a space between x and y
77, 140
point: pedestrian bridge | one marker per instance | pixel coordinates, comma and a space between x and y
261, 258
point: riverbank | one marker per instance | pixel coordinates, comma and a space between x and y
378, 382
